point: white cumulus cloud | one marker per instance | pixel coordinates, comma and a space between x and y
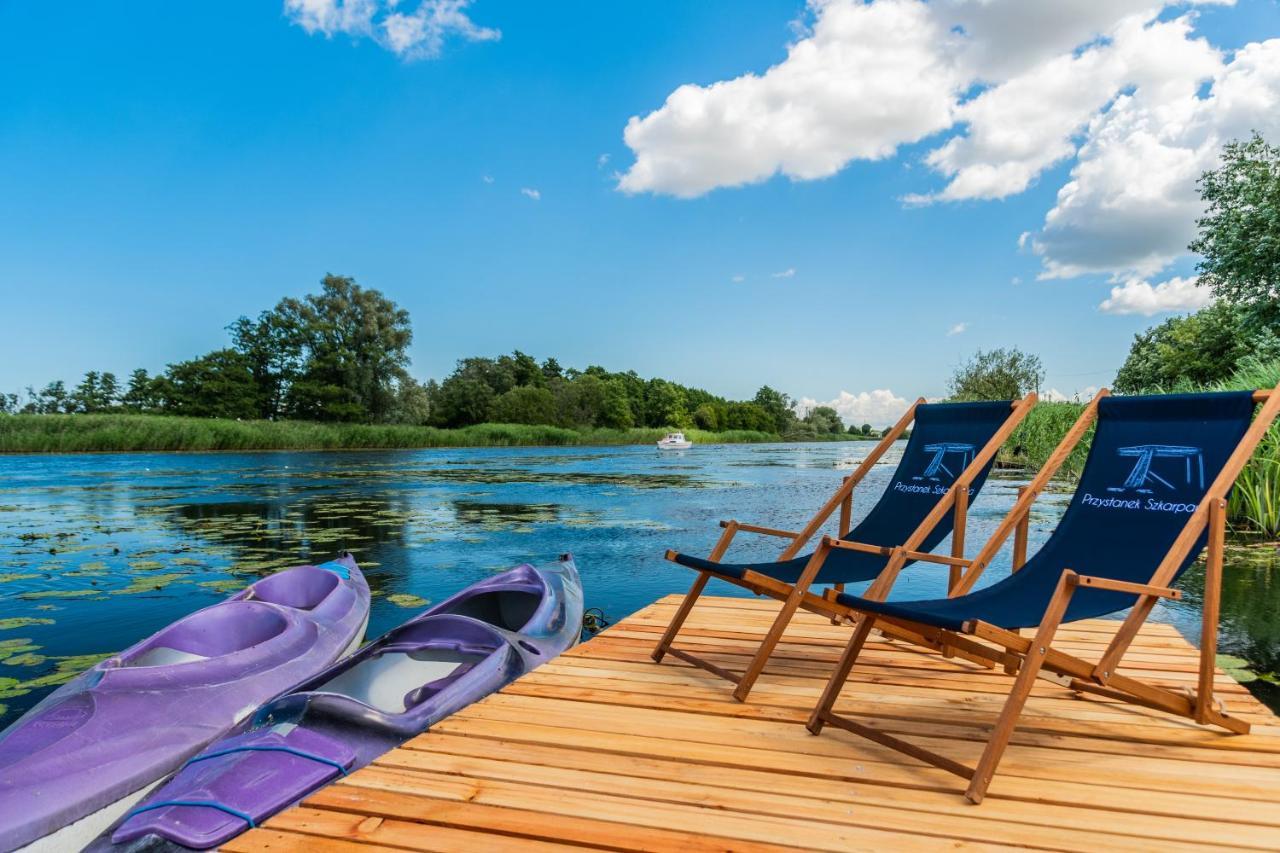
868, 78
1136, 296
413, 31
1126, 92
880, 408
789, 272
957, 329
530, 192
1131, 204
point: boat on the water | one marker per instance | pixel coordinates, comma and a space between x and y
397, 686
87, 753
674, 441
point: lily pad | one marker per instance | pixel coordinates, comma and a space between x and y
150, 583
1237, 668
15, 576
404, 599
22, 622
145, 565
58, 593
27, 659
11, 688
222, 585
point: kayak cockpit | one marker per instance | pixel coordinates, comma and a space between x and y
394, 682
510, 609
302, 588
213, 632
411, 664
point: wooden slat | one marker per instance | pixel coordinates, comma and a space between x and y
604, 749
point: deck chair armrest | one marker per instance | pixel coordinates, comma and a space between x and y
885, 551
1124, 586
763, 531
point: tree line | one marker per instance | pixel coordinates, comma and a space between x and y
341, 355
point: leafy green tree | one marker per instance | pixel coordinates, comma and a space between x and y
217, 385
1199, 348
866, 429
616, 412
527, 404
664, 404
710, 417
462, 401
53, 399
355, 343
109, 387
141, 395
1239, 239
498, 374
749, 416
824, 419
273, 346
780, 407
998, 374
579, 401
551, 369
413, 403
86, 397
524, 369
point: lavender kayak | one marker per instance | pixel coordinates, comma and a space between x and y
394, 688
77, 761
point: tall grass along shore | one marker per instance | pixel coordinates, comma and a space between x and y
114, 433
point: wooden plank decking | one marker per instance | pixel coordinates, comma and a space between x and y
602, 748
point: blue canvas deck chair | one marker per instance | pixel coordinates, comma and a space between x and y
1153, 492
943, 466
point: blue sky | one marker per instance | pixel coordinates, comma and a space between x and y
167, 167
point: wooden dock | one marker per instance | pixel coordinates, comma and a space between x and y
604, 749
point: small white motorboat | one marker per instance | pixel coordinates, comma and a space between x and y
674, 441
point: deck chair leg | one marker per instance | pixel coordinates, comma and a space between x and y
785, 615
1026, 679
686, 606
836, 683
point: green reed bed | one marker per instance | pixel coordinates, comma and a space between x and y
1255, 501
107, 433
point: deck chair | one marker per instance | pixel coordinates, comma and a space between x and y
943, 466
1153, 491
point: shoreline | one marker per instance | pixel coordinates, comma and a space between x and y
43, 435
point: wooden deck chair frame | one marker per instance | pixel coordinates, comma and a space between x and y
795, 596
1028, 658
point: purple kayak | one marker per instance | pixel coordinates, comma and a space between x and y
440, 661
86, 754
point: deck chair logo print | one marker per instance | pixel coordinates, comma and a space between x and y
1155, 465
958, 454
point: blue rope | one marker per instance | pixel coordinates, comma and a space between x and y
208, 804
286, 749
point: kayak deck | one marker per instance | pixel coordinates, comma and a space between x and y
603, 748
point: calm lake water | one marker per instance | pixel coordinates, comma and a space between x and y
98, 551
